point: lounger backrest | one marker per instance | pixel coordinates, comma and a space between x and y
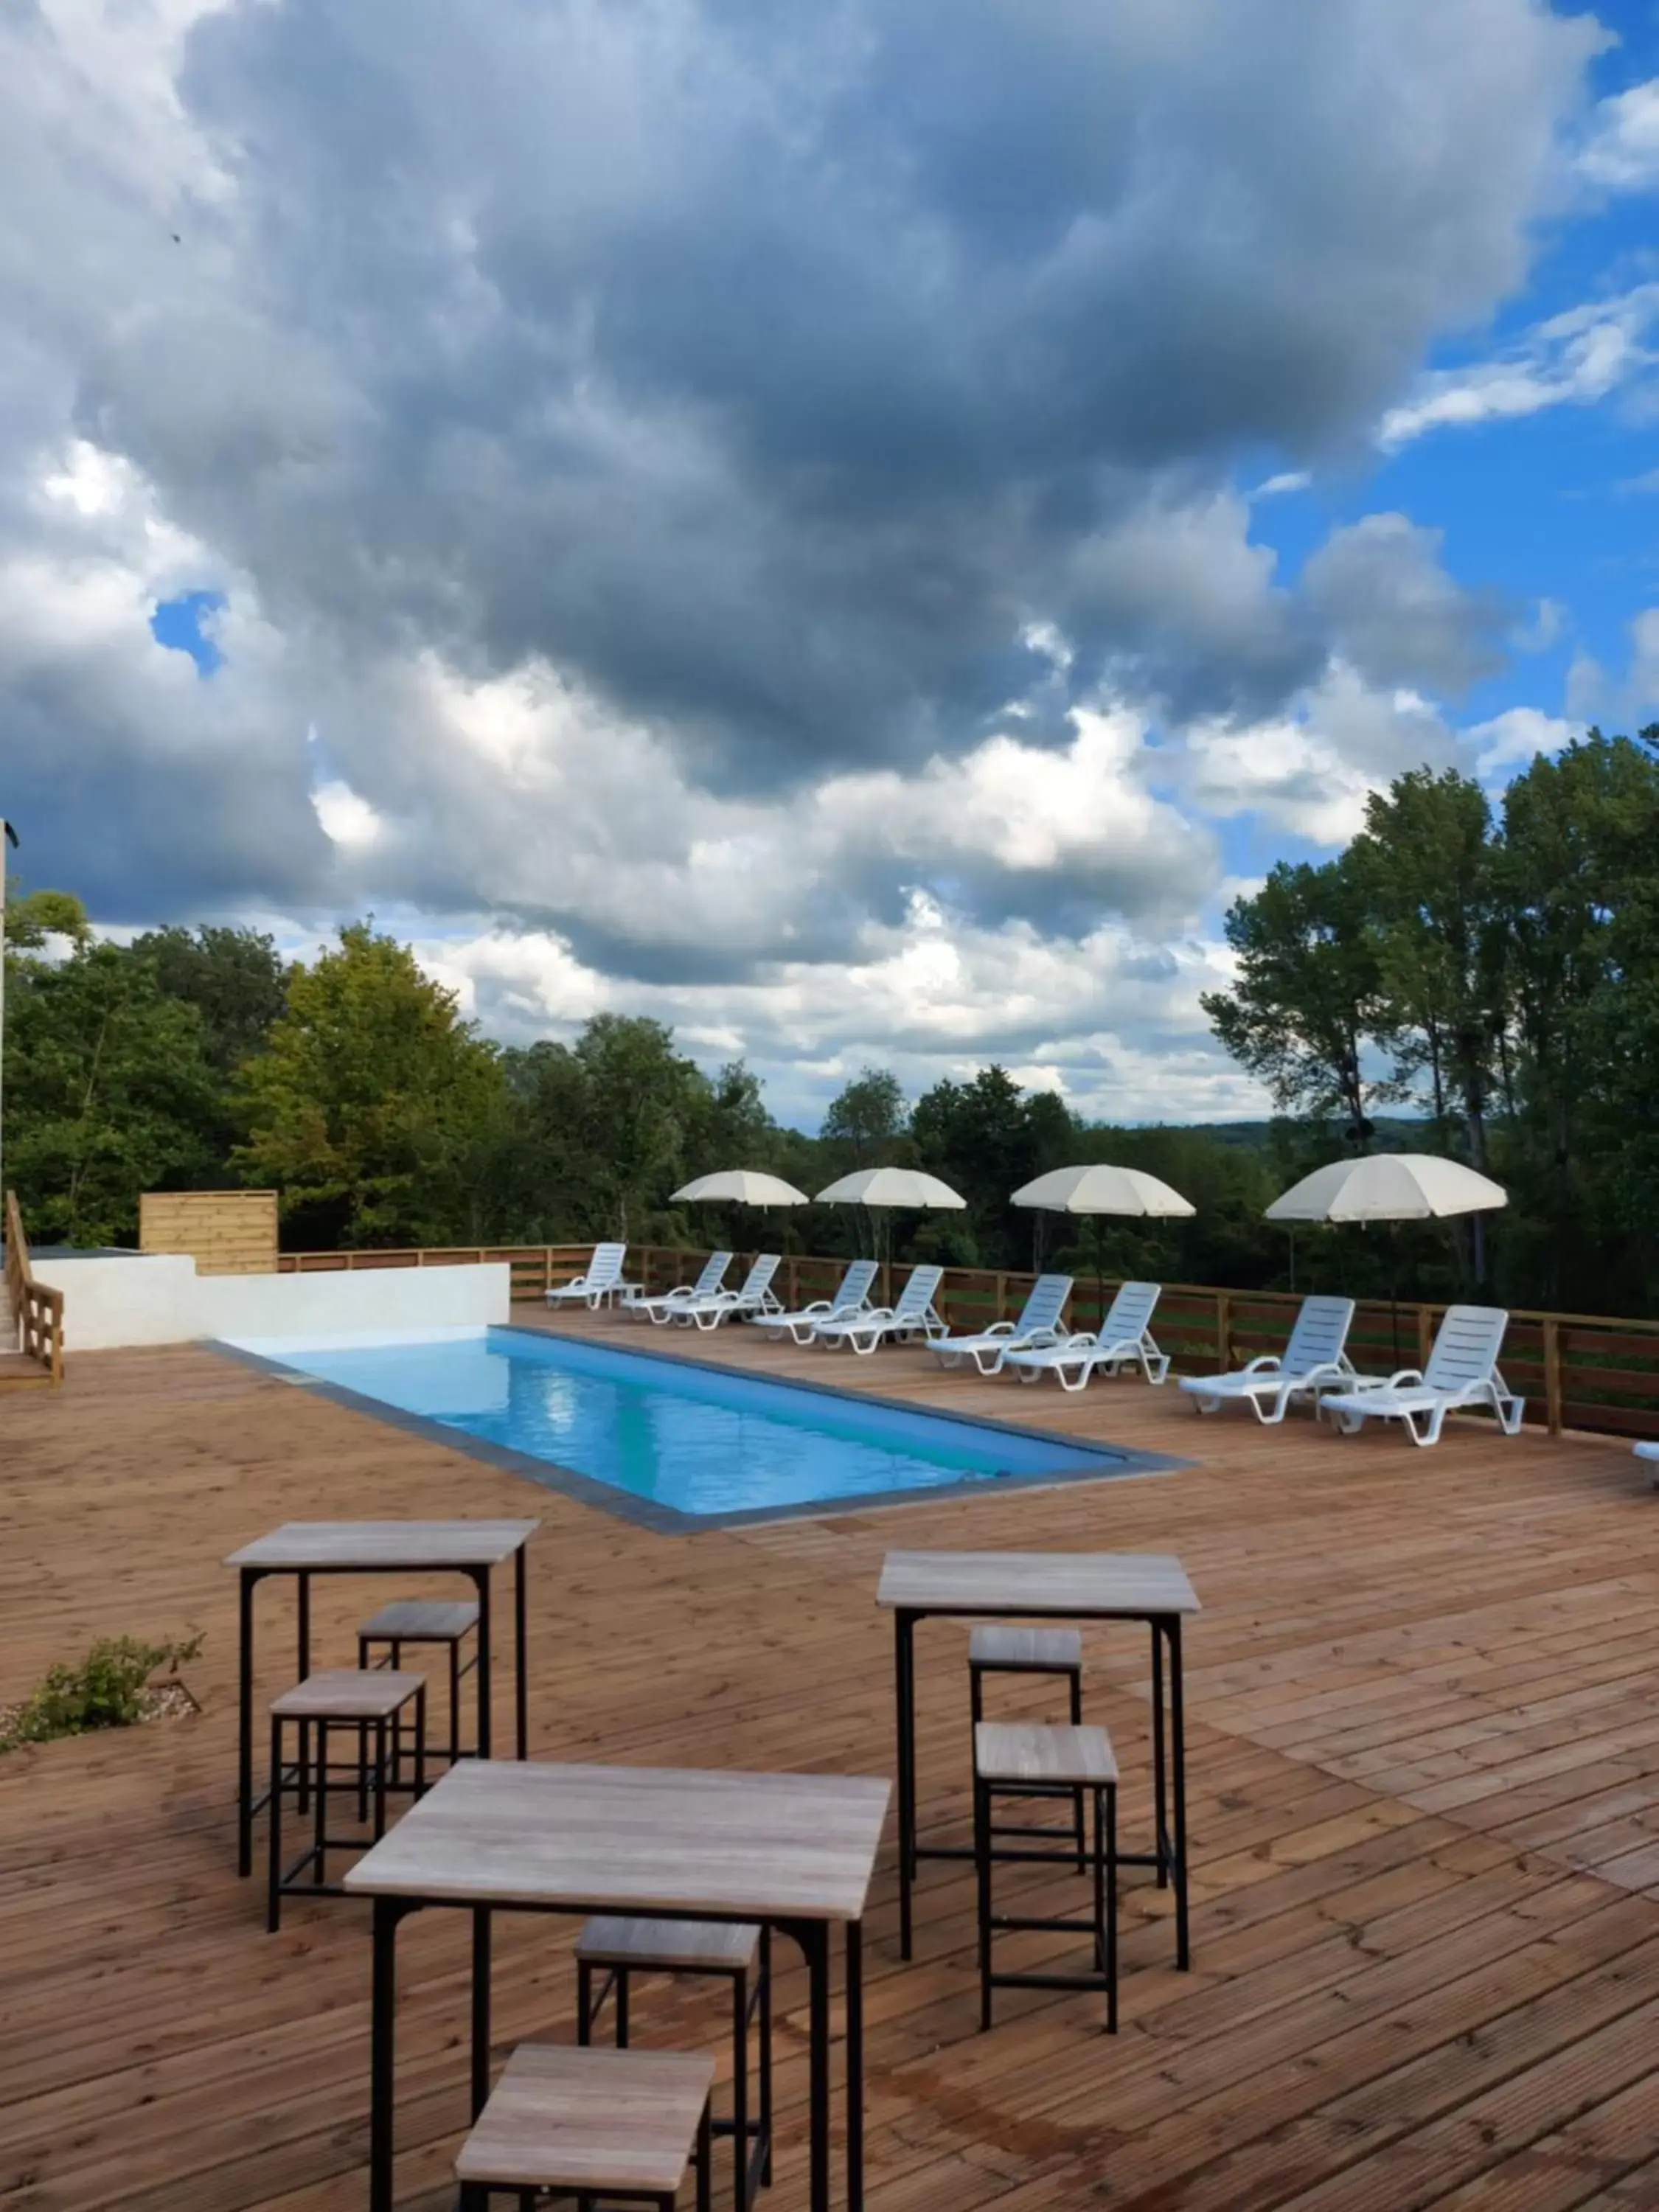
758, 1280
606, 1265
1466, 1350
1320, 1335
1045, 1305
712, 1275
855, 1283
1132, 1312
918, 1293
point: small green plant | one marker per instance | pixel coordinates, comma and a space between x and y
108, 1690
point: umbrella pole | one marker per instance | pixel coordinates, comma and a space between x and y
1100, 1274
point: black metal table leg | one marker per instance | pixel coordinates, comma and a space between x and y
1178, 1733
854, 2066
818, 1964
1160, 1819
302, 1585
382, 2061
481, 1962
481, 1578
522, 1689
245, 1726
905, 1699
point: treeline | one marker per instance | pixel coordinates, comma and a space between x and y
352, 1084
1495, 970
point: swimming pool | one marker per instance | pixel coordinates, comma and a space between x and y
677, 1442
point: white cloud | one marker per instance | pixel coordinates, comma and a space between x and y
1289, 480
347, 819
1621, 153
1573, 359
1508, 741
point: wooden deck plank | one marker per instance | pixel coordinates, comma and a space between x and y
1424, 1781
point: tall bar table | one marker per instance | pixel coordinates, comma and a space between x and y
1140, 1586
304, 1549
795, 1851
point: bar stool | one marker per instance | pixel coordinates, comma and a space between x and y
591, 2124
619, 1949
369, 1702
995, 1649
426, 1620
1026, 1760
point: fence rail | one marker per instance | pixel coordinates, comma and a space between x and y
37, 1311
1576, 1370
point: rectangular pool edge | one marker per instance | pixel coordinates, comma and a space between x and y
669, 1521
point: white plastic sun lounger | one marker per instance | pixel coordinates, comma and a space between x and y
1649, 1452
852, 1297
1125, 1335
754, 1298
911, 1313
602, 1280
1313, 1360
1039, 1324
1462, 1372
675, 1304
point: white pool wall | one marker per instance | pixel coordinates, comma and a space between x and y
158, 1298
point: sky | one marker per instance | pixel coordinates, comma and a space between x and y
856, 531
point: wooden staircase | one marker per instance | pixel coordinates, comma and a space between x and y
34, 1353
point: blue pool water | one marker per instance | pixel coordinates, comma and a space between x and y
698, 1441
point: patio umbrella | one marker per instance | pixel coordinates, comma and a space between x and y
1389, 1187
739, 1187
886, 1188
1103, 1189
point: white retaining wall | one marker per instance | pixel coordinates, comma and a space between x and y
158, 1298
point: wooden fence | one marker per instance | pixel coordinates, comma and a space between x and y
37, 1311
226, 1232
1576, 1370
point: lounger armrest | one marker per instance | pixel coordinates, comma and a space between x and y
1265, 1363
1397, 1381
998, 1328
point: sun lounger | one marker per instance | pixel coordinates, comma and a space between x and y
676, 1304
852, 1297
602, 1280
1461, 1375
754, 1298
1313, 1360
1038, 1323
1125, 1335
911, 1314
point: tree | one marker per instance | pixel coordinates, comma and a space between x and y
234, 978
1308, 995
986, 1138
864, 1123
109, 1091
372, 1102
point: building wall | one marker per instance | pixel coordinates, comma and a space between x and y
226, 1232
160, 1299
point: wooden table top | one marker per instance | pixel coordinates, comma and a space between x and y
1077, 1584
635, 1839
411, 1544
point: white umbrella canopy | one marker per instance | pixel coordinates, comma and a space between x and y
896, 1186
1104, 1189
1389, 1187
740, 1187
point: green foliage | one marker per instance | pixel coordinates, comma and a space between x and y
234, 978
370, 1102
108, 1690
986, 1138
33, 916
109, 1092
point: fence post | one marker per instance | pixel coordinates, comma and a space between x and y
1002, 1297
792, 1275
1223, 1330
1425, 1334
1552, 1375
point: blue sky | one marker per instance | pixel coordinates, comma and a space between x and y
853, 532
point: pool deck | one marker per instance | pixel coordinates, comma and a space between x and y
1423, 1755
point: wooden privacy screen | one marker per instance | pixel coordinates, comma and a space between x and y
226, 1232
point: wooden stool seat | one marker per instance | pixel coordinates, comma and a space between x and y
1011, 1751
1009, 1650
347, 1693
626, 2123
423, 1620
668, 1947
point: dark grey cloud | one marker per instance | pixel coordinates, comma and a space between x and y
769, 373
1379, 590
